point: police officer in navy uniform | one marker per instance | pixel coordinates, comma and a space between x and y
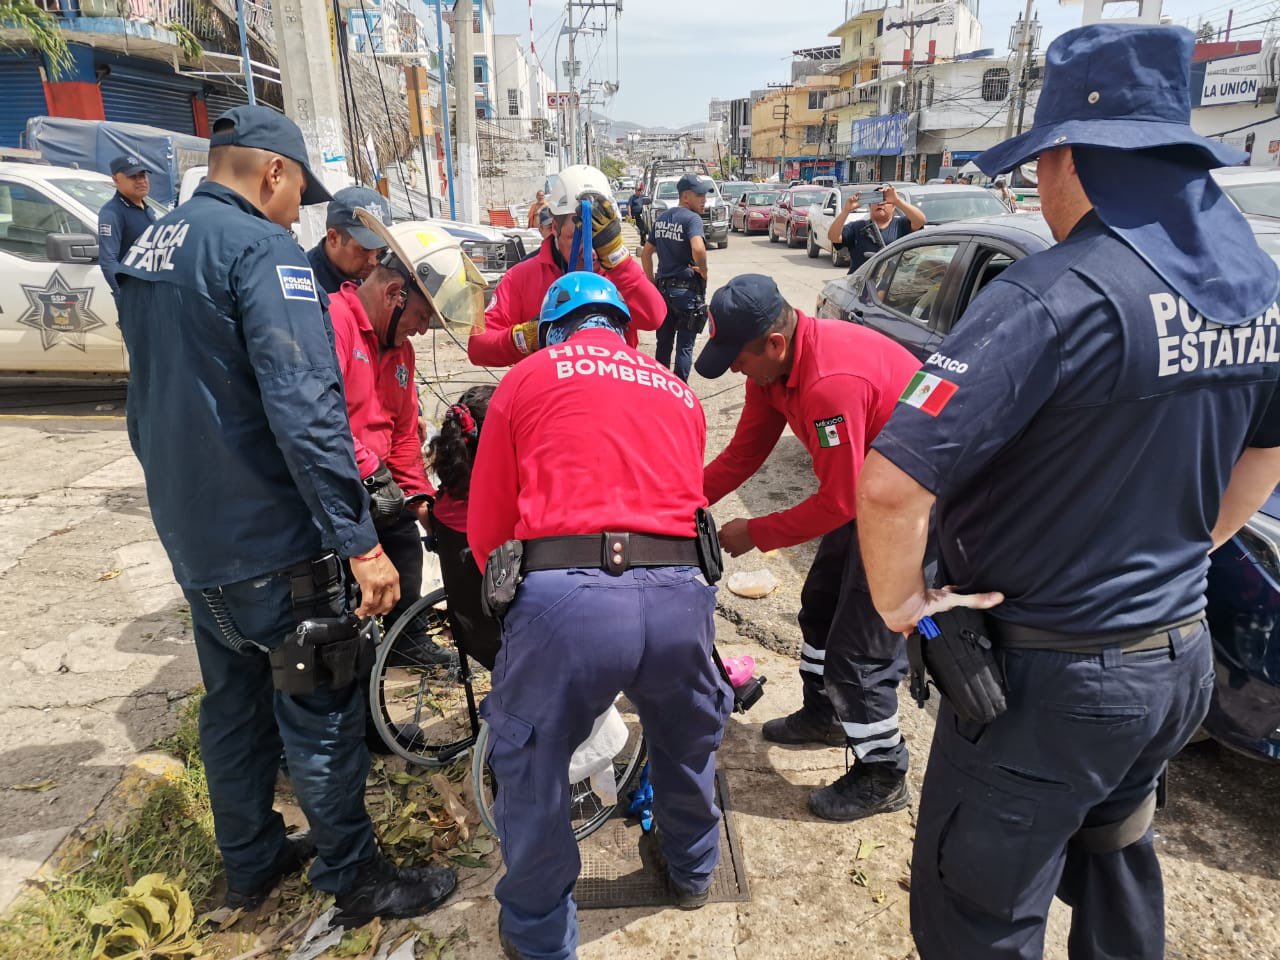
236, 413
349, 250
679, 241
1098, 421
124, 217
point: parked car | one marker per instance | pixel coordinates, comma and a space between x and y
715, 215
915, 289
789, 218
821, 215
751, 212
1252, 189
731, 190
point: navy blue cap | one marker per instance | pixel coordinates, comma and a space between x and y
741, 311
266, 129
1121, 86
692, 181
342, 214
129, 164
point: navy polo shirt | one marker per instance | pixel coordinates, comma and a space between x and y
120, 223
235, 406
327, 276
860, 238
671, 236
1078, 427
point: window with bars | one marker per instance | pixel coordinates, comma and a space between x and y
813, 134
478, 73
815, 99
995, 84
513, 102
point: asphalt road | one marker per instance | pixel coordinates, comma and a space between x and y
96, 649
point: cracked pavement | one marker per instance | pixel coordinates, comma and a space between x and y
97, 652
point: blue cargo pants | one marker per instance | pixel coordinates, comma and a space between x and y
244, 723
571, 642
1082, 744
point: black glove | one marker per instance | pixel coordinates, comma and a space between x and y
955, 649
386, 499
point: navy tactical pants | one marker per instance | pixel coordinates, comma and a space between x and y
1083, 742
243, 724
571, 641
851, 663
402, 543
672, 331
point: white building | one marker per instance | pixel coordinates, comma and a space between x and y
518, 142
1233, 97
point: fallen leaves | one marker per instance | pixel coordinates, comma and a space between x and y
154, 918
110, 575
36, 786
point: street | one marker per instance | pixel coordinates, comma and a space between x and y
98, 645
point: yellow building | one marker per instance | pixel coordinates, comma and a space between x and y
858, 93
793, 134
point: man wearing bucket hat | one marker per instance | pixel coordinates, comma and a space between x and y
835, 385
236, 413
1097, 422
349, 250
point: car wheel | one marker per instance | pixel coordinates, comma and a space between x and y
811, 248
791, 238
723, 244
773, 237
839, 258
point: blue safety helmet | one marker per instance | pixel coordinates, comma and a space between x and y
577, 296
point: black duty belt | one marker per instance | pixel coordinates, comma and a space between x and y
1015, 636
611, 552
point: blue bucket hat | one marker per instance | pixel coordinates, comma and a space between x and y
1119, 95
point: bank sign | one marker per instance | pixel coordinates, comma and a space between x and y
1231, 80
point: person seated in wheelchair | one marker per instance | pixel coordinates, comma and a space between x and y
450, 455
587, 494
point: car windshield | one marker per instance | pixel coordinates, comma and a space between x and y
1259, 198
94, 194
946, 207
764, 199
802, 198
733, 191
666, 191
1270, 244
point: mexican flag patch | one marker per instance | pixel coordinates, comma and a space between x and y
831, 431
928, 393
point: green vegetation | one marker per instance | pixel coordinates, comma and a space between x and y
41, 29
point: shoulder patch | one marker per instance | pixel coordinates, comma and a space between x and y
104, 229
832, 431
297, 283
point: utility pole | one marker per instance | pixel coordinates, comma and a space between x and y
784, 115
464, 85
909, 104
1023, 30
306, 42
586, 6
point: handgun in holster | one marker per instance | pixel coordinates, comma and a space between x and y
954, 649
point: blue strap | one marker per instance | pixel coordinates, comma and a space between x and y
581, 248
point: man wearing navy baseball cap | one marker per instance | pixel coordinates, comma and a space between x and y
125, 216
349, 250
236, 405
835, 384
1099, 420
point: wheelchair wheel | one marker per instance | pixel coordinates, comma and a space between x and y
424, 710
587, 812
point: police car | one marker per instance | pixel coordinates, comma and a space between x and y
57, 316
915, 289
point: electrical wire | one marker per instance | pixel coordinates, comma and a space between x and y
391, 127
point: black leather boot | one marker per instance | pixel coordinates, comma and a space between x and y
865, 790
381, 889
295, 853
803, 727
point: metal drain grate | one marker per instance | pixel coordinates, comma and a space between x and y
613, 876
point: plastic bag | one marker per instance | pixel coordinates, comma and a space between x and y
753, 584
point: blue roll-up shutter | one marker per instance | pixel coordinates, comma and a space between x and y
160, 101
220, 99
22, 99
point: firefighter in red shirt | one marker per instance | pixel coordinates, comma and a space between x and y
511, 322
835, 385
372, 324
592, 456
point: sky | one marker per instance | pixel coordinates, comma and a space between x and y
671, 57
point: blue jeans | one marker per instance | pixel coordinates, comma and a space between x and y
244, 723
1083, 743
572, 640
671, 332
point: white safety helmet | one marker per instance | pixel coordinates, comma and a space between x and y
442, 273
563, 189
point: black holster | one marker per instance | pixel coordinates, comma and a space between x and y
328, 648
962, 663
686, 302
708, 542
503, 572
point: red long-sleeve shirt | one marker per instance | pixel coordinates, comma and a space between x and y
587, 436
844, 383
518, 299
382, 396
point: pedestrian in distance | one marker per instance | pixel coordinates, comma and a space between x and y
125, 217
539, 204
888, 219
835, 384
349, 250
636, 205
591, 457
511, 322
372, 326
679, 242
1099, 420
236, 414
451, 454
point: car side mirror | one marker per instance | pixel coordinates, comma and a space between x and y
647, 201
71, 248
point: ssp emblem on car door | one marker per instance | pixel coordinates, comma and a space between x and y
60, 312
